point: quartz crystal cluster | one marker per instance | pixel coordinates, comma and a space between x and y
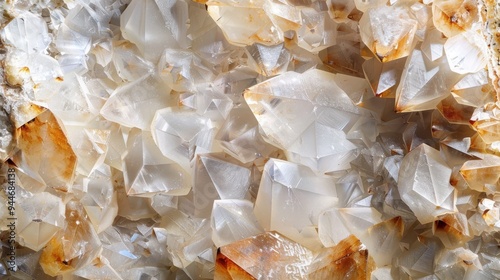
262, 139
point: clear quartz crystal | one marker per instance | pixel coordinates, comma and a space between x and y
253, 139
423, 183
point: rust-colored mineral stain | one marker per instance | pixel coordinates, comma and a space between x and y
44, 130
347, 260
24, 70
225, 269
52, 258
454, 18
455, 113
59, 79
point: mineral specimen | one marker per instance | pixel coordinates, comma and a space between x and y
253, 139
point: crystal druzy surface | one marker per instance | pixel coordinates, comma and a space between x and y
252, 139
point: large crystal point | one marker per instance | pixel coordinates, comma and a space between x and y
27, 32
424, 184
146, 171
424, 83
135, 103
143, 24
388, 31
291, 197
39, 218
45, 152
232, 220
218, 177
304, 113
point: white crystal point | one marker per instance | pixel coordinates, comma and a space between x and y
239, 136
331, 228
67, 99
182, 134
245, 22
388, 31
218, 177
100, 268
383, 77
323, 148
383, 240
432, 46
100, 200
317, 31
423, 184
291, 198
89, 145
27, 32
418, 261
268, 60
233, 220
424, 83
300, 112
147, 172
143, 24
39, 218
69, 41
337, 224
129, 64
467, 52
460, 262
483, 174
135, 104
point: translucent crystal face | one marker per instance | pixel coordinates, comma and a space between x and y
251, 139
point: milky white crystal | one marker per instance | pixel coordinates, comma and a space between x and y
39, 218
218, 177
291, 198
423, 183
27, 32
308, 114
146, 171
466, 52
233, 220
